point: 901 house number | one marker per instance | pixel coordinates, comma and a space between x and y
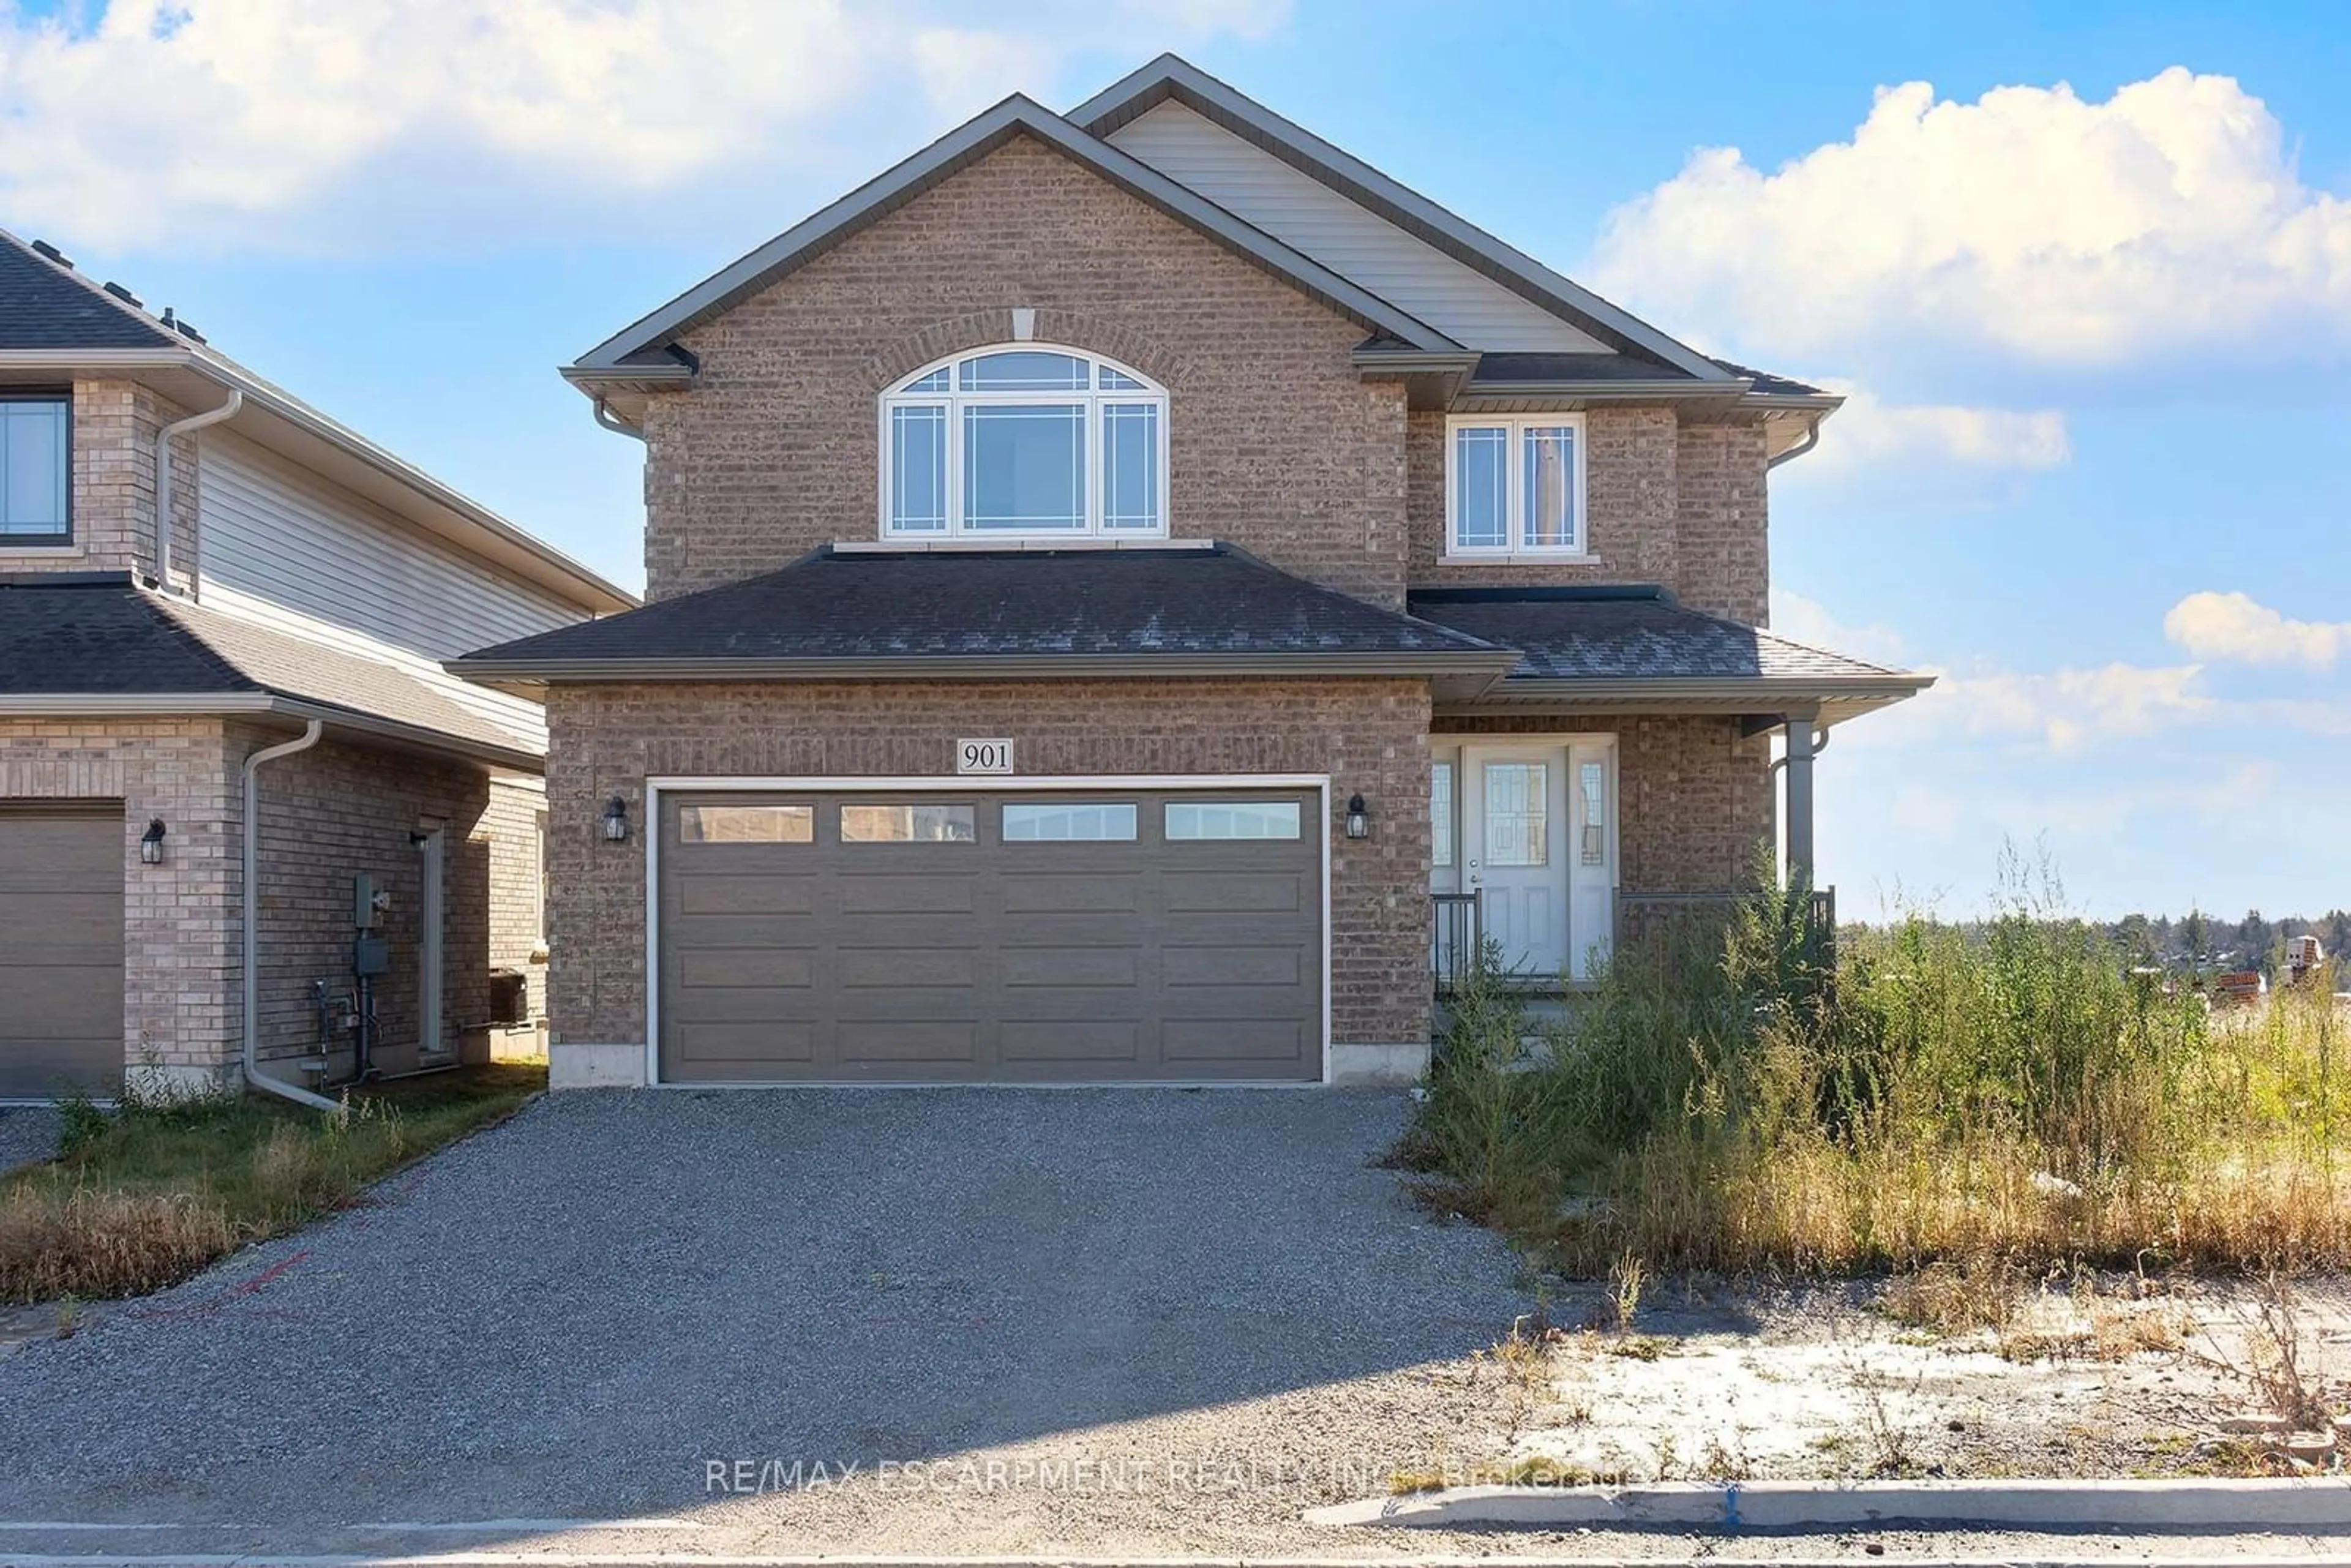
983, 757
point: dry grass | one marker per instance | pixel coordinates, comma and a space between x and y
2005, 1090
147, 1198
87, 1243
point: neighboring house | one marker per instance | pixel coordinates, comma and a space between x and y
306, 587
1120, 583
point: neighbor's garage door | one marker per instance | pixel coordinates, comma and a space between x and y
1014, 937
60, 950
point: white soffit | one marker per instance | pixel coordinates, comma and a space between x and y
1358, 244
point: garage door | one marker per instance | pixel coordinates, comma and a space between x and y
1143, 937
60, 951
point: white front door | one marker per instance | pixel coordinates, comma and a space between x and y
1514, 848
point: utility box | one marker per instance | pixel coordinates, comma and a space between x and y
509, 998
367, 905
371, 957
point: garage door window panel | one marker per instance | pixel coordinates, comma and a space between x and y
1070, 822
872, 822
1209, 820
746, 824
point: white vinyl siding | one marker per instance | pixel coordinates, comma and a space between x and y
1352, 241
278, 532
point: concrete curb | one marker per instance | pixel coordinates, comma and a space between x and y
2217, 1506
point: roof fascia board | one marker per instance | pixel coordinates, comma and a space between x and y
648, 378
96, 358
418, 736
129, 704
1751, 693
1170, 76
1496, 663
134, 705
973, 139
561, 573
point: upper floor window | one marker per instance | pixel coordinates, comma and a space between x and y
35, 470
1514, 487
1026, 440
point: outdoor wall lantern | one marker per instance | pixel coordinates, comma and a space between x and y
616, 819
150, 842
1359, 821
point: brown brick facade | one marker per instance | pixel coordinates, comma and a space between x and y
1370, 736
1275, 443
327, 814
180, 918
1721, 524
112, 435
1665, 502
513, 827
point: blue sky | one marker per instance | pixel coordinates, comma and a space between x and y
2090, 294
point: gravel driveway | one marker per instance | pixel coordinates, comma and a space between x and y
1174, 1318
28, 1132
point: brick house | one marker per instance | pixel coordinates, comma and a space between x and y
279, 642
1132, 593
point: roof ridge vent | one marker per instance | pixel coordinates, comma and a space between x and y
122, 294
44, 248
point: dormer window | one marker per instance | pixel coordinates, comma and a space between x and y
1024, 441
1514, 487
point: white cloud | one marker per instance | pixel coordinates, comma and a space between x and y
2170, 215
2235, 626
1868, 433
283, 122
1808, 620
2064, 710
2069, 709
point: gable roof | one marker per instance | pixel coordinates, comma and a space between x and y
68, 638
1170, 76
1144, 610
632, 353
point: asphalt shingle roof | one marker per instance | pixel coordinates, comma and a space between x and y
43, 307
1507, 370
860, 605
1635, 633
94, 634
88, 634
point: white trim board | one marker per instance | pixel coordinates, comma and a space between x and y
658, 785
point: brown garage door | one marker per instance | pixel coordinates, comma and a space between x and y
1135, 936
60, 950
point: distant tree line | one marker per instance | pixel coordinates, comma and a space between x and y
2198, 941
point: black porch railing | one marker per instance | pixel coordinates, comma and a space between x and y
1821, 930
1453, 938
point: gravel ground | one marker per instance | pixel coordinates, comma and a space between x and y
28, 1132
1075, 1322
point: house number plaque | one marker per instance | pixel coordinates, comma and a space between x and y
983, 757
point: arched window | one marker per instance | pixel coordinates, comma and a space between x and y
1026, 440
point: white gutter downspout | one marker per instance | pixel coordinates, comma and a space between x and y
253, 1073
1811, 439
163, 530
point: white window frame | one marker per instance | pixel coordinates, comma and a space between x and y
954, 400
1514, 509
